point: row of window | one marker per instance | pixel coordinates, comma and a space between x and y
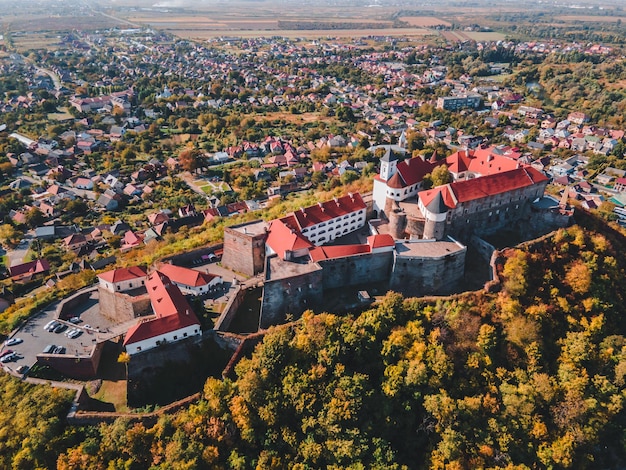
332, 222
164, 340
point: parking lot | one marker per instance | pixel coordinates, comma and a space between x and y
35, 338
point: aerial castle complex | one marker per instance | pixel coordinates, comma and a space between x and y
415, 244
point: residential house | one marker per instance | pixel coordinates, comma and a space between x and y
75, 242
27, 271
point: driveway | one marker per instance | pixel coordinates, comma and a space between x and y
17, 255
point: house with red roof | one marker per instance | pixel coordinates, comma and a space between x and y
74, 242
191, 281
26, 271
293, 236
173, 318
123, 279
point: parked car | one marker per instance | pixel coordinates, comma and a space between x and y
49, 349
8, 357
75, 334
13, 341
75, 320
59, 350
50, 325
6, 353
60, 328
22, 369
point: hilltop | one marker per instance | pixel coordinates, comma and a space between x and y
530, 376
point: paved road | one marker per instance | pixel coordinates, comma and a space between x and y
17, 255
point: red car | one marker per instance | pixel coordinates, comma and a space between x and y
6, 353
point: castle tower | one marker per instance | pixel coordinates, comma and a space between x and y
435, 223
388, 164
397, 219
244, 247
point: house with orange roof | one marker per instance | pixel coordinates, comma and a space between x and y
172, 320
191, 281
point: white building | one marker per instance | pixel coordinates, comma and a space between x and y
190, 281
123, 279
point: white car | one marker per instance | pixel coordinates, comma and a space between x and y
74, 334
8, 358
51, 324
12, 341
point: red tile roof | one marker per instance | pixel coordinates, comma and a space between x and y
448, 198
338, 251
484, 161
325, 211
496, 184
123, 274
32, 267
170, 308
158, 327
283, 237
380, 241
186, 276
414, 169
395, 181
478, 188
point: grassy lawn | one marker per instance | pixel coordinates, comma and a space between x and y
113, 392
208, 189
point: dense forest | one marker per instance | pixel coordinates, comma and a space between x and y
531, 376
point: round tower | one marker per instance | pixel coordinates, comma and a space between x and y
435, 218
397, 223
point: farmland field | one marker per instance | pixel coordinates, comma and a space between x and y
424, 21
484, 36
310, 34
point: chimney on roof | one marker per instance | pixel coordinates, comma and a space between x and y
336, 201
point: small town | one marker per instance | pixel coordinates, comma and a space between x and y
297, 240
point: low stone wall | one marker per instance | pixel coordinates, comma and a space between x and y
70, 303
234, 302
87, 418
77, 367
484, 248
